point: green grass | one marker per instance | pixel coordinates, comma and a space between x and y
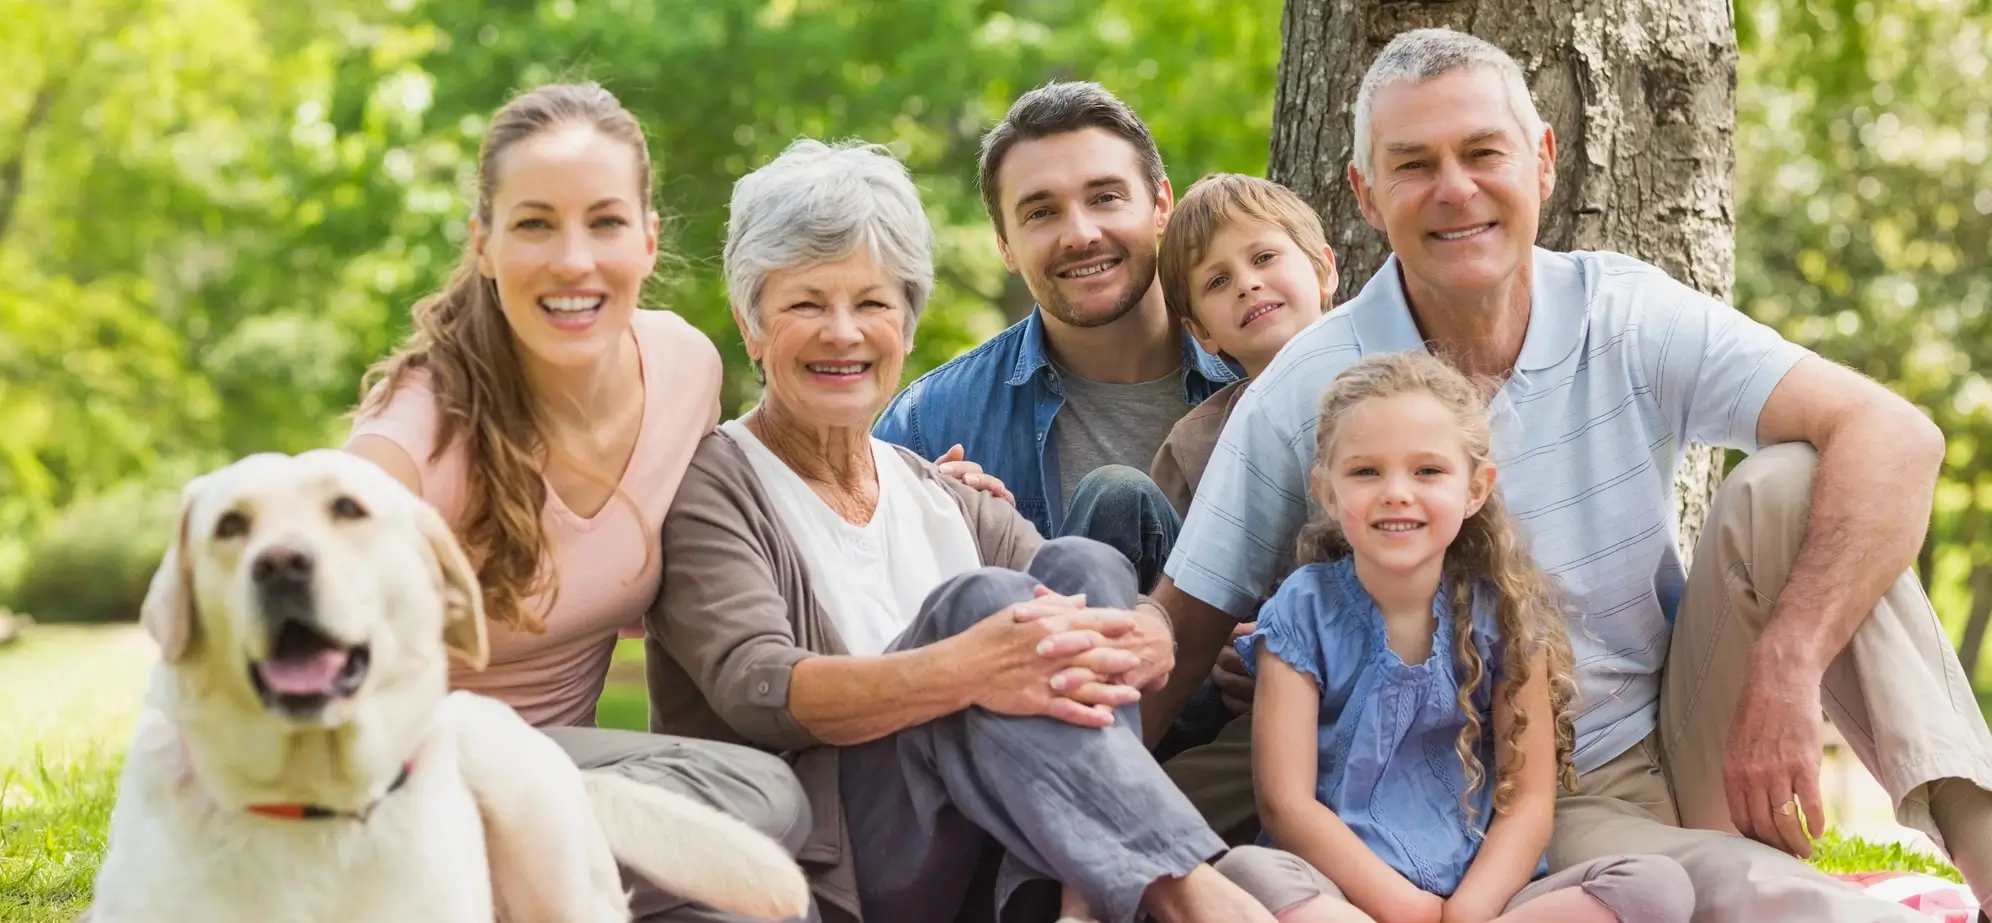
68, 695
59, 762
1838, 854
52, 824
624, 704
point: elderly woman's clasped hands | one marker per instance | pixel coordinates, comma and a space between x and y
1053, 656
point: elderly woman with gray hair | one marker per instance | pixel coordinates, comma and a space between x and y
941, 678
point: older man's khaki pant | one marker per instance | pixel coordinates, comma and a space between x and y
1896, 692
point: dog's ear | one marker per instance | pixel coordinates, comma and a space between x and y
464, 633
168, 611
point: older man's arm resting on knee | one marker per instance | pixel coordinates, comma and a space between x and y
1878, 463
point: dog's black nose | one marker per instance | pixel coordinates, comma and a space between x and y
279, 566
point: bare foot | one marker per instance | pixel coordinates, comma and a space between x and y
1202, 896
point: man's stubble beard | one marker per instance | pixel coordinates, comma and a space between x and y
1140, 275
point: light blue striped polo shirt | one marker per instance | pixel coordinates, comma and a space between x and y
1621, 368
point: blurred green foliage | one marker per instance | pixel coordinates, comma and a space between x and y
1864, 228
94, 562
215, 213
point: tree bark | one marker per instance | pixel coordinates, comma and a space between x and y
1641, 95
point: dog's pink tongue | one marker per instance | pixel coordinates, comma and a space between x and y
310, 674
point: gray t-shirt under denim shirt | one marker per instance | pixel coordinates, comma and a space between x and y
1104, 423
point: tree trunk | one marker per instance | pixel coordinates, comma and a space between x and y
1641, 95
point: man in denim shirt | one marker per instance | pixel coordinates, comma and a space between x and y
1069, 405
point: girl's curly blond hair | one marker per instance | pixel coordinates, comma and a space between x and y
1489, 550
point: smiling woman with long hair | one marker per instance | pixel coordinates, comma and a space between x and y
550, 420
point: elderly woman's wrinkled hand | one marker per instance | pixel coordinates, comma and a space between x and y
954, 464
1148, 636
1050, 657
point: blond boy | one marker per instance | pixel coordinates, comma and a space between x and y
1244, 265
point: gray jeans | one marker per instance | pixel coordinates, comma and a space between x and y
755, 787
1086, 807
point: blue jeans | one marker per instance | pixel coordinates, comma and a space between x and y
1122, 508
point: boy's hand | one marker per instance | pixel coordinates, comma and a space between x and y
1229, 675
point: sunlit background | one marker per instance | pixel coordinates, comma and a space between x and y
215, 213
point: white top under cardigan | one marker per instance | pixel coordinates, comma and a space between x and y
871, 578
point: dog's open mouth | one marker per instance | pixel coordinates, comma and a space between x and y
306, 670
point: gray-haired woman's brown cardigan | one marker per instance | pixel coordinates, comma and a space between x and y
736, 613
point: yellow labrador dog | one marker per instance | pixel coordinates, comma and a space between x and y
302, 760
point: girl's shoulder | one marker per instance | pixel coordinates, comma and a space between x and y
1328, 590
1322, 600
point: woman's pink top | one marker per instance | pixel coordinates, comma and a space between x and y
608, 565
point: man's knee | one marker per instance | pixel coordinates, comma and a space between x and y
1119, 484
1119, 503
1779, 474
1123, 508
1643, 887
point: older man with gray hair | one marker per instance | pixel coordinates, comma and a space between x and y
1700, 692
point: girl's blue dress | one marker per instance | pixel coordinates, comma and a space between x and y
1388, 767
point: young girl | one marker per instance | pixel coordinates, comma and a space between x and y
1416, 646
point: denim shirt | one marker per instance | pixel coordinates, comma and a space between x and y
998, 400
1388, 766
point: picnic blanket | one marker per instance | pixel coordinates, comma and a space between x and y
1937, 898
